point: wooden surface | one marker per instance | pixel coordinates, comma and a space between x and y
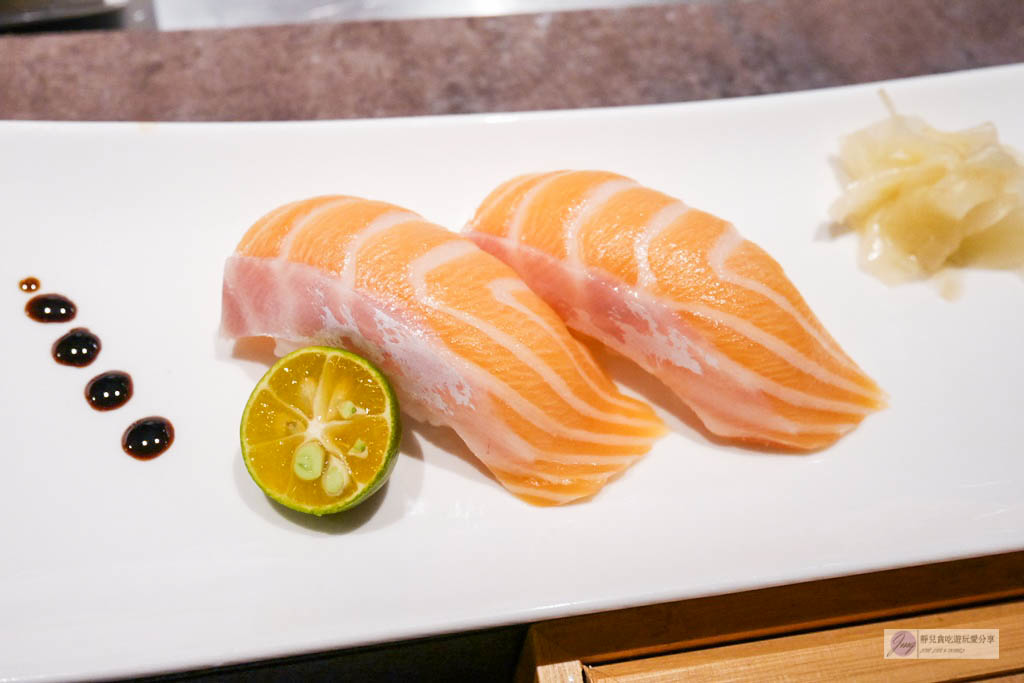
559, 665
561, 650
852, 653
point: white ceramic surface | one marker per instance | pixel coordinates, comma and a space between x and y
112, 566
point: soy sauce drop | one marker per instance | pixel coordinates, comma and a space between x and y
109, 390
148, 437
29, 284
50, 308
79, 347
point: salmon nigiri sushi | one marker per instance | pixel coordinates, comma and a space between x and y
684, 295
463, 339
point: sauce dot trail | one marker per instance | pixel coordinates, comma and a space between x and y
144, 439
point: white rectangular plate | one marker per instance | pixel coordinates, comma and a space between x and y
111, 566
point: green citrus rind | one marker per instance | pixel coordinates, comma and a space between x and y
391, 450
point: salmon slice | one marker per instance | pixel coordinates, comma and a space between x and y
463, 339
681, 293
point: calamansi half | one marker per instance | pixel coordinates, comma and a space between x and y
321, 429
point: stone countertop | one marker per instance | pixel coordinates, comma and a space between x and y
638, 55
